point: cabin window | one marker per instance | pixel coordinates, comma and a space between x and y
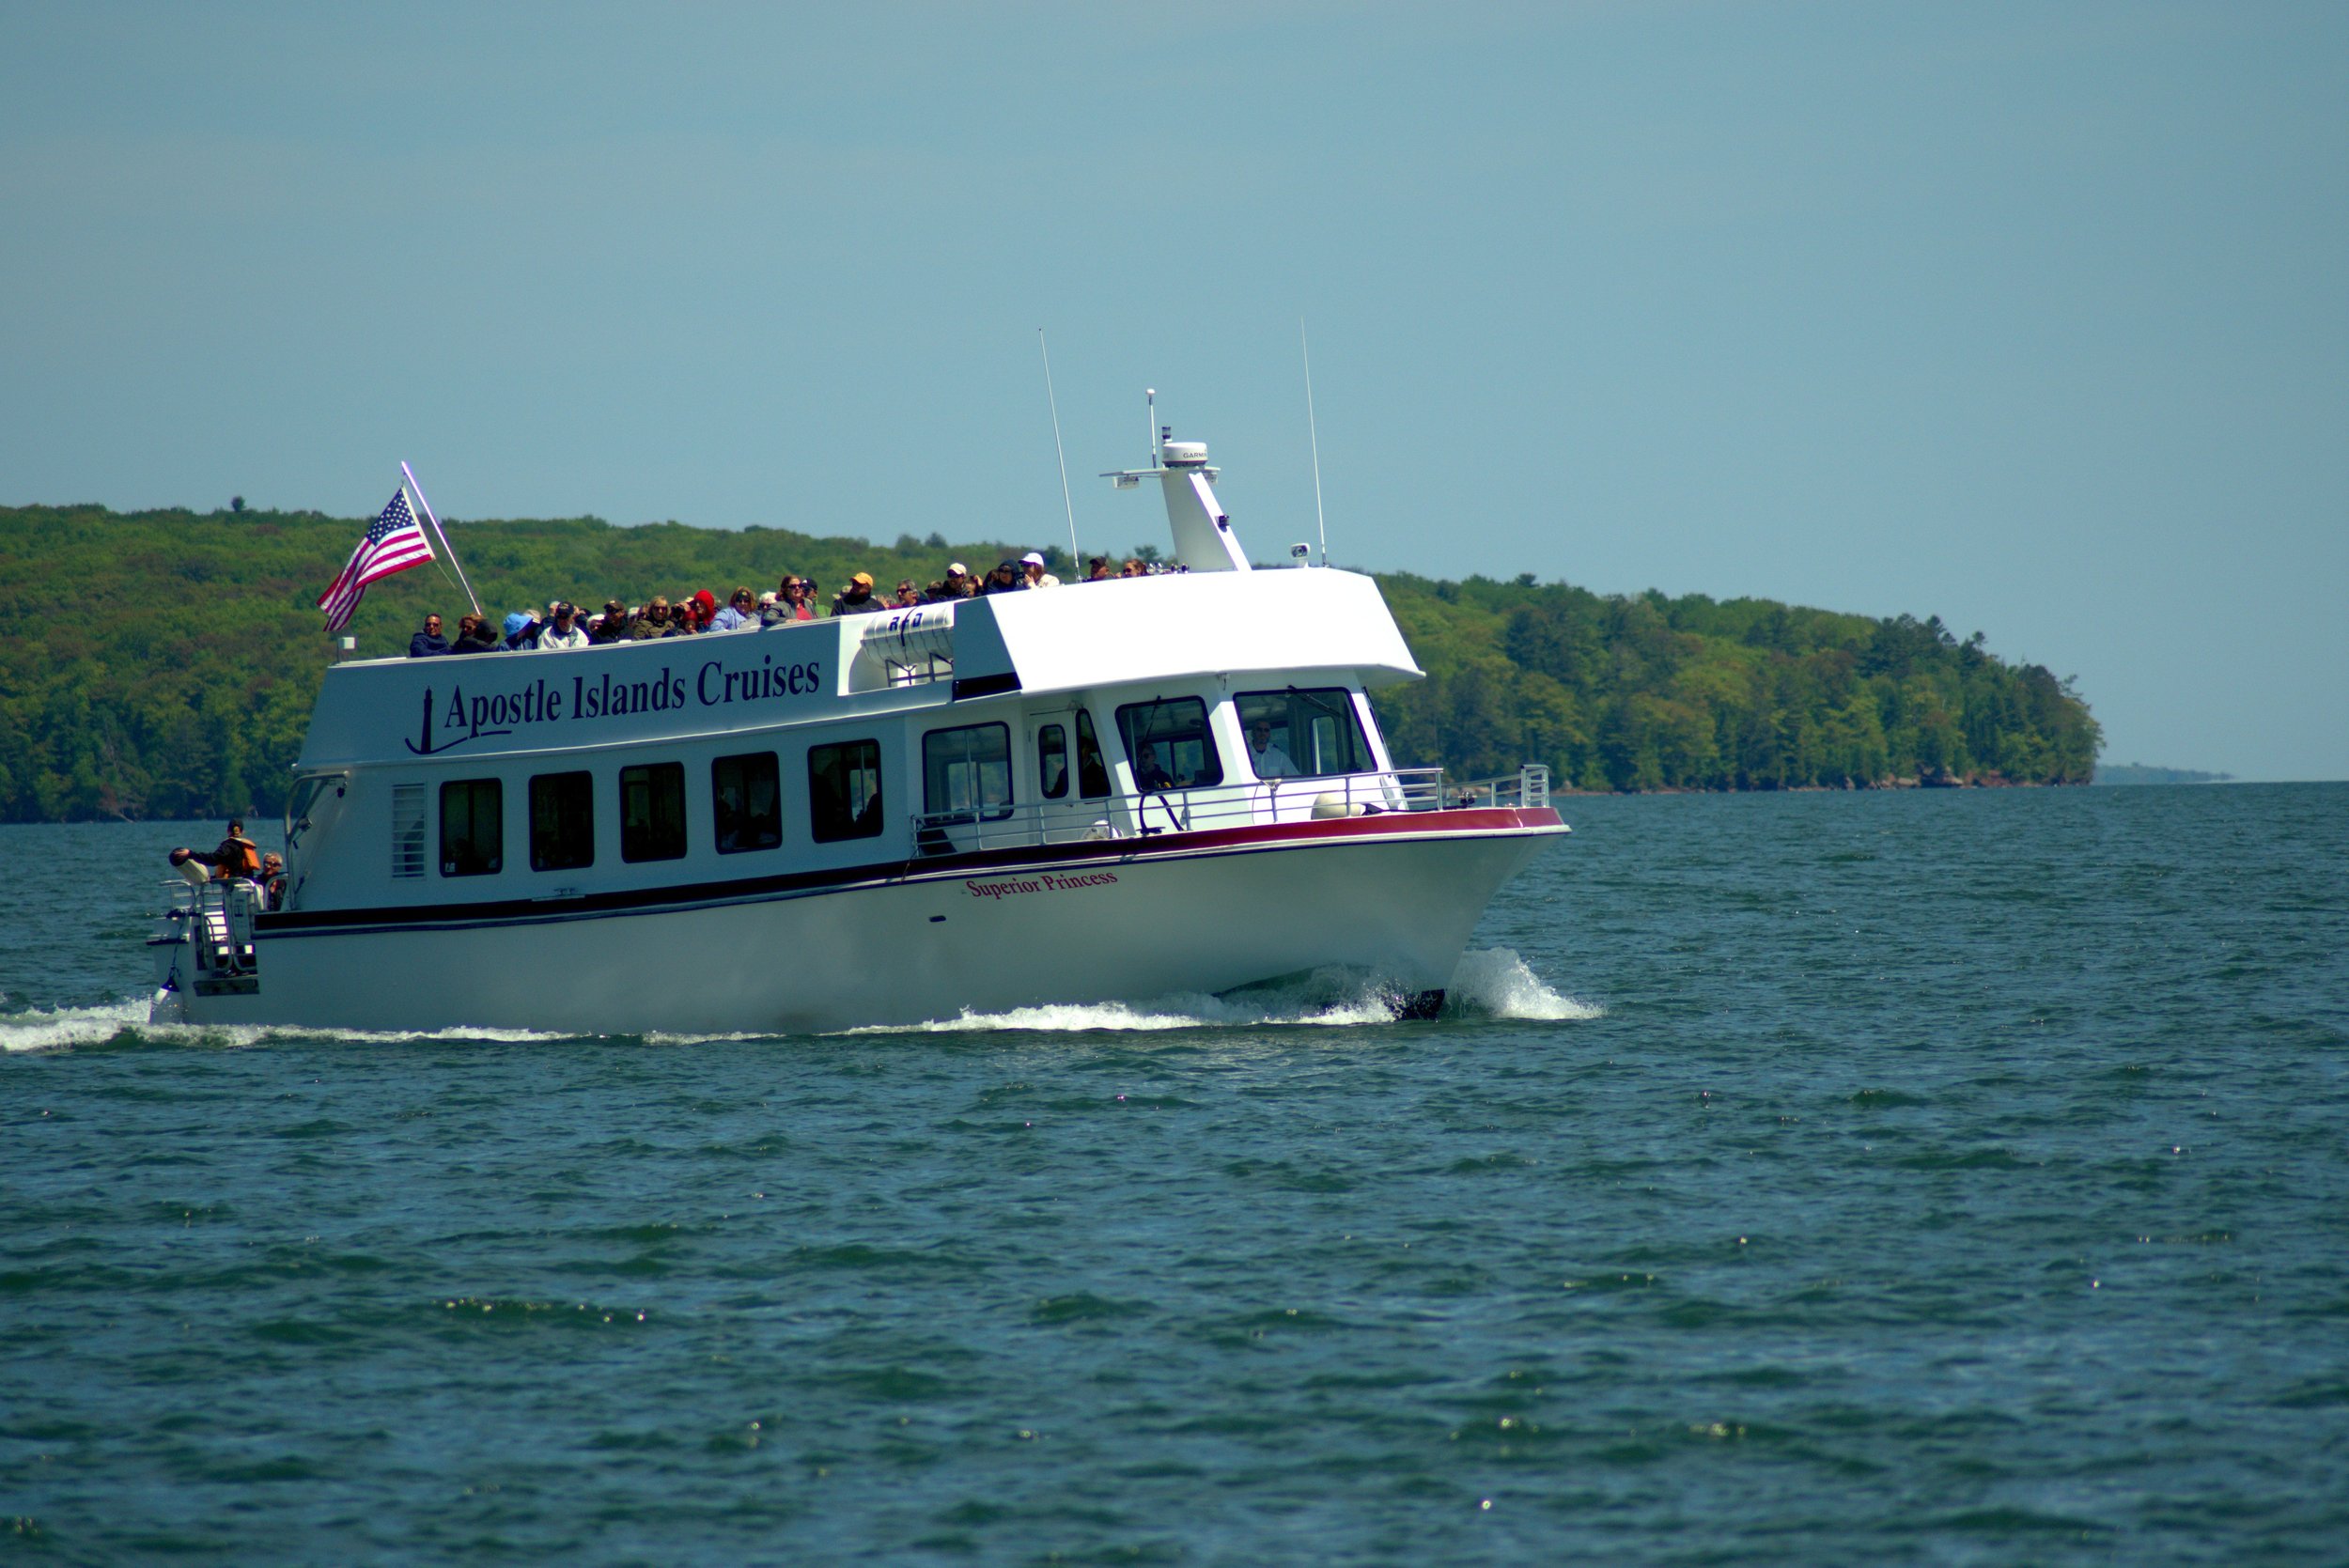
472, 828
1051, 762
1169, 744
1093, 773
1316, 731
408, 830
652, 811
746, 797
966, 773
844, 791
562, 821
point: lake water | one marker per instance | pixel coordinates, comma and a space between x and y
1951, 1178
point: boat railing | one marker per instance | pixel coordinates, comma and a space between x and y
217, 917
1246, 804
1528, 787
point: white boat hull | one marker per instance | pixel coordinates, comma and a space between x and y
1395, 897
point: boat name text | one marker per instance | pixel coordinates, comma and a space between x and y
462, 718
1047, 881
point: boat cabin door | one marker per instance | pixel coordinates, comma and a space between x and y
1072, 778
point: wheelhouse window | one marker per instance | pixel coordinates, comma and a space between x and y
746, 801
1169, 744
1092, 772
652, 811
1051, 762
562, 821
844, 791
472, 828
966, 773
1308, 735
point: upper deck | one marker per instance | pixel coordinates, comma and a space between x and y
1130, 631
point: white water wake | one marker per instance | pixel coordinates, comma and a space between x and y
67, 1026
1490, 984
64, 1028
1496, 982
1493, 982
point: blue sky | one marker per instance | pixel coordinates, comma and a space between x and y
2036, 318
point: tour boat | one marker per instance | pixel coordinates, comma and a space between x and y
1044, 797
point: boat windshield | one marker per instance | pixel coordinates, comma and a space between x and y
1316, 730
1169, 744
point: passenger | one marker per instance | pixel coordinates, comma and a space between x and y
613, 625
908, 594
1097, 569
1150, 776
272, 880
654, 622
681, 619
1133, 568
705, 609
858, 598
474, 635
566, 633
792, 599
1033, 574
1004, 579
956, 585
429, 641
1267, 760
522, 631
234, 858
740, 615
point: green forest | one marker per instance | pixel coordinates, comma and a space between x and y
163, 663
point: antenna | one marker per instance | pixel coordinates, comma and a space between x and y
1150, 401
1315, 432
1058, 450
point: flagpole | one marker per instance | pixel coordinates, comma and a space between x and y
444, 536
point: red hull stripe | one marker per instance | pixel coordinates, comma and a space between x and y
1468, 822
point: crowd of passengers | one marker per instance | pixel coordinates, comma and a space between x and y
795, 599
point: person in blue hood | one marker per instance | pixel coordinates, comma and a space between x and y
520, 632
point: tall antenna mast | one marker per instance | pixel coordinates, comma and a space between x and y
1313, 431
1058, 450
1150, 402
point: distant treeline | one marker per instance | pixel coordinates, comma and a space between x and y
163, 664
2145, 774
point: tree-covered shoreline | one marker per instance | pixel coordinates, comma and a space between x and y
163, 663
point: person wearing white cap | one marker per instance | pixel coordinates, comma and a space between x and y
1033, 564
956, 585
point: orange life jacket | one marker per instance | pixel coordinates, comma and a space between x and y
237, 858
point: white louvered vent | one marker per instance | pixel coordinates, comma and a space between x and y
408, 830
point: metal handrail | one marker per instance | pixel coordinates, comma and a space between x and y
219, 919
1528, 787
1238, 804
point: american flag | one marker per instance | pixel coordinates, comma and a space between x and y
395, 543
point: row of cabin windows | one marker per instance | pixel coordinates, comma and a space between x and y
746, 807
966, 777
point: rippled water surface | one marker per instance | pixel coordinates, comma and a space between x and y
1930, 1177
